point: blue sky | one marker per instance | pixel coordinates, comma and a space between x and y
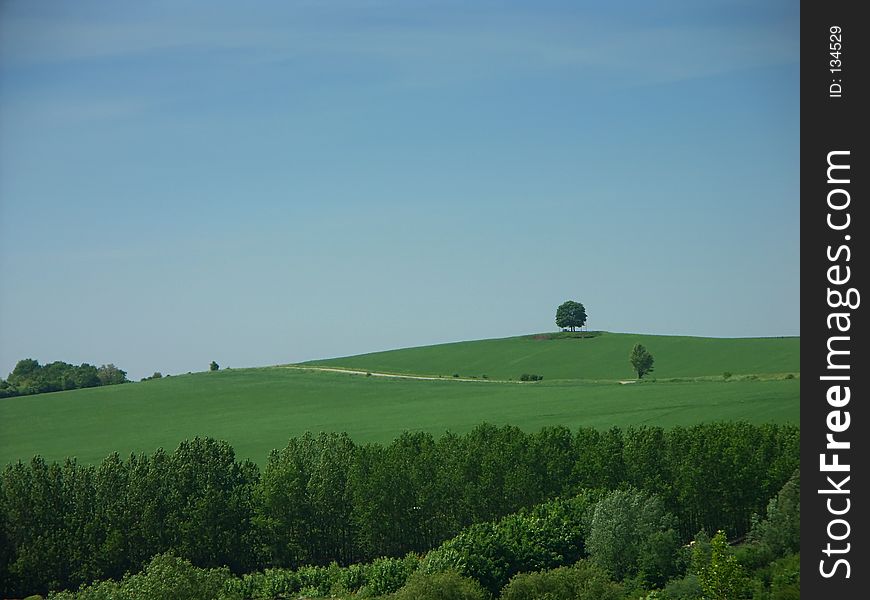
260, 183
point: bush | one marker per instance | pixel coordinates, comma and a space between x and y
271, 583
387, 575
786, 578
448, 585
583, 581
531, 377
790, 376
726, 375
686, 588
722, 578
166, 576
551, 535
314, 580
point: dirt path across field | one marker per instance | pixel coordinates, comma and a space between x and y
393, 375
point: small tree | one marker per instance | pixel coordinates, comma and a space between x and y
570, 315
722, 578
641, 360
111, 375
213, 366
630, 534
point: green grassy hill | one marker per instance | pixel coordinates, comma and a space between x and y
257, 410
600, 356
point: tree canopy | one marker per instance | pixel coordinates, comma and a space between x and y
29, 377
641, 360
570, 315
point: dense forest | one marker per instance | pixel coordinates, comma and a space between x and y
324, 499
29, 377
598, 545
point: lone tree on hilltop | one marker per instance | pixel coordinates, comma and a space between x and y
641, 360
213, 366
571, 315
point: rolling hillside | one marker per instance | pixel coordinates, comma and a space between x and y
601, 356
257, 410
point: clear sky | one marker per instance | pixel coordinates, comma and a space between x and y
268, 182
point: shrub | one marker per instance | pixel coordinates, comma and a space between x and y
790, 376
786, 578
582, 581
314, 578
166, 576
722, 578
727, 375
387, 575
448, 585
273, 583
551, 535
456, 374
531, 377
686, 588
350, 578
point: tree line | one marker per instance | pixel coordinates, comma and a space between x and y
325, 498
29, 377
598, 545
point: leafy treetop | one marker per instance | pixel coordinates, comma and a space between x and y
570, 315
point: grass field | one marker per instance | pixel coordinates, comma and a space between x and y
604, 356
257, 410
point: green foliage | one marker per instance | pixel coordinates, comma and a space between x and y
304, 503
786, 578
632, 535
550, 535
387, 575
213, 366
166, 576
447, 585
69, 524
325, 499
570, 315
685, 588
582, 581
780, 531
721, 577
531, 377
641, 360
29, 377
111, 375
